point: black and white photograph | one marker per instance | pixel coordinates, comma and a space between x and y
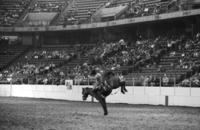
99, 64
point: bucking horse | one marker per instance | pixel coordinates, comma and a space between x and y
112, 82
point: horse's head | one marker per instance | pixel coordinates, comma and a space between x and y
84, 93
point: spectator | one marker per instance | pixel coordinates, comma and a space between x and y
165, 80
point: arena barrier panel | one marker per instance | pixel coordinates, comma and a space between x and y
176, 96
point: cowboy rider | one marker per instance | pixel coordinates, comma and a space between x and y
98, 78
101, 82
98, 85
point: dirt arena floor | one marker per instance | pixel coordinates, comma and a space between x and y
41, 114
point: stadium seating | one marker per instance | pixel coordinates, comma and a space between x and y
85, 8
48, 6
12, 10
8, 56
43, 12
179, 63
9, 53
144, 62
120, 2
80, 11
36, 65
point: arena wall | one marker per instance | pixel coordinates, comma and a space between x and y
176, 96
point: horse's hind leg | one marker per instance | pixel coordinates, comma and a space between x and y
123, 87
122, 90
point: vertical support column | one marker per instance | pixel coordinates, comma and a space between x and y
133, 82
174, 90
160, 85
166, 100
192, 30
149, 32
37, 39
190, 88
11, 89
92, 99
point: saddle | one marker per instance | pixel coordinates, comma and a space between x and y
104, 85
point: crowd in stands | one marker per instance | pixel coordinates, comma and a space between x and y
11, 10
186, 59
190, 60
10, 48
69, 18
54, 54
38, 67
139, 8
48, 6
193, 81
116, 54
142, 53
136, 8
24, 70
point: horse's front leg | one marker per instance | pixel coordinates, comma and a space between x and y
102, 101
104, 106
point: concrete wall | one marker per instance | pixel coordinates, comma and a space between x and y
136, 95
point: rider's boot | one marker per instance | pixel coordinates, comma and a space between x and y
103, 96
